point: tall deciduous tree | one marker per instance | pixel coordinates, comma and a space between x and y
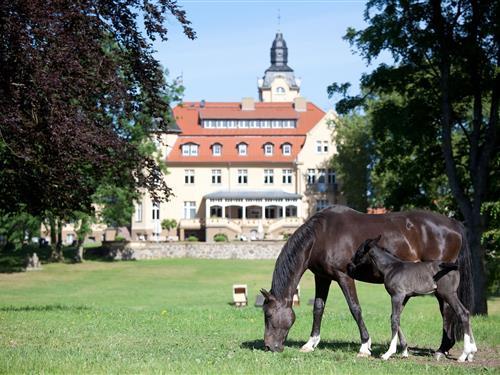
79, 92
353, 158
447, 51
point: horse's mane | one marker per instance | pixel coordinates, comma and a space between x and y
288, 260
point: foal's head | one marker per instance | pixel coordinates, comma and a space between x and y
278, 318
361, 255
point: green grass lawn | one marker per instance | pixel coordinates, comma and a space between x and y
174, 315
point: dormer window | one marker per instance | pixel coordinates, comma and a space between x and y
268, 149
190, 149
216, 149
287, 149
242, 149
280, 90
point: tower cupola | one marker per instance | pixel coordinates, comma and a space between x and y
279, 52
279, 83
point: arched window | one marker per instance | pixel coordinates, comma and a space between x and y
216, 149
242, 149
280, 90
286, 148
268, 149
189, 149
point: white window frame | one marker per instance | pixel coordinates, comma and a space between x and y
217, 149
268, 149
280, 90
242, 149
332, 177
242, 176
155, 211
321, 176
287, 149
311, 176
189, 176
138, 212
268, 176
287, 176
325, 147
216, 176
189, 210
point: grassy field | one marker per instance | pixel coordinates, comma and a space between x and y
174, 316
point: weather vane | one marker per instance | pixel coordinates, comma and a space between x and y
279, 19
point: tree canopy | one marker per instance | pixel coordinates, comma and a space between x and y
80, 91
435, 109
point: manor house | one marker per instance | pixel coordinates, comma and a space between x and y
252, 169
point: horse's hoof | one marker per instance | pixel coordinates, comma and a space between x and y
470, 357
438, 356
306, 349
462, 358
385, 357
405, 353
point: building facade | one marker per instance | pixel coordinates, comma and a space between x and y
247, 169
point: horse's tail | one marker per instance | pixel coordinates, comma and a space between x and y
444, 269
465, 288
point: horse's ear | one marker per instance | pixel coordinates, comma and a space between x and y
375, 240
266, 294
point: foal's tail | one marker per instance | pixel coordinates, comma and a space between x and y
465, 288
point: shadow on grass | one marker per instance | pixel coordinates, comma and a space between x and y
344, 346
54, 307
14, 260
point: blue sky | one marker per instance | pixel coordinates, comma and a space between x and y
234, 38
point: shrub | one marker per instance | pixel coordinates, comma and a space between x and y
119, 238
168, 224
221, 237
192, 239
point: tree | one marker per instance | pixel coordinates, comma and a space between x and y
80, 91
353, 158
169, 224
446, 52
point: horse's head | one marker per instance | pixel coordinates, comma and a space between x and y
361, 256
278, 318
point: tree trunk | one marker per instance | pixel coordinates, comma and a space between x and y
79, 252
474, 234
57, 254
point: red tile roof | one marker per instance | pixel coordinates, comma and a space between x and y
188, 117
255, 150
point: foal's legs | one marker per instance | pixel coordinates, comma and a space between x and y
349, 289
397, 307
322, 288
463, 314
448, 339
402, 339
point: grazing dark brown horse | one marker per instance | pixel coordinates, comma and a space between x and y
325, 244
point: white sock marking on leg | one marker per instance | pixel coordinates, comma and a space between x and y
392, 348
365, 348
311, 344
467, 348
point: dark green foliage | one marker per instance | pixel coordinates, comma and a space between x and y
169, 224
353, 159
192, 239
434, 112
80, 91
220, 237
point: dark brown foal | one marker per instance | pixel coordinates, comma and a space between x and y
403, 280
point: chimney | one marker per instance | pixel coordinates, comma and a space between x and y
247, 104
300, 104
